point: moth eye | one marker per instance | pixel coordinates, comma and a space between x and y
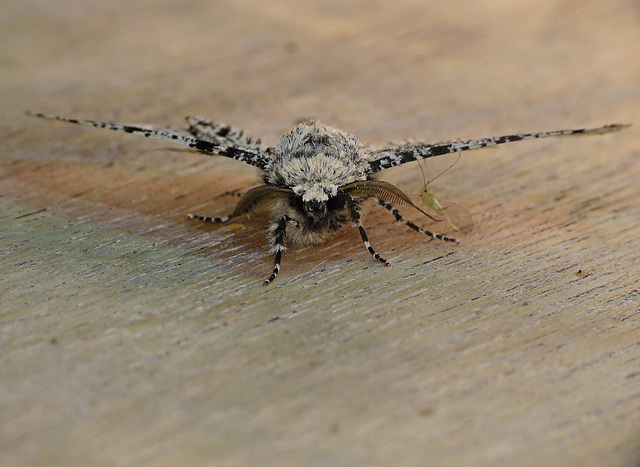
314, 207
298, 203
335, 202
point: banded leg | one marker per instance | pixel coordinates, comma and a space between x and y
278, 230
410, 224
232, 193
355, 216
215, 220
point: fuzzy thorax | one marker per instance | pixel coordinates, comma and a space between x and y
316, 158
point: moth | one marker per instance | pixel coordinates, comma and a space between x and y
317, 177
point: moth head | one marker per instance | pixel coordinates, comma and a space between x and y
316, 199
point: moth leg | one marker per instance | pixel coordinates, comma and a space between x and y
215, 220
251, 200
230, 193
410, 224
355, 216
278, 230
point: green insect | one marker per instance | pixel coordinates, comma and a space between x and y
455, 214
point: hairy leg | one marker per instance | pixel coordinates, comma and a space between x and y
411, 225
278, 230
355, 216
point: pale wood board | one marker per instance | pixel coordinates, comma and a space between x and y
130, 335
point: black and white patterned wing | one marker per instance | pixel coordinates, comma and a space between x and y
250, 156
224, 134
393, 156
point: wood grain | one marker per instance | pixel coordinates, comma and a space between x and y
131, 335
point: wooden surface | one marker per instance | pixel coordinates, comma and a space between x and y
130, 335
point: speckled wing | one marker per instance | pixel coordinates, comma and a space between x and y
225, 135
397, 155
246, 155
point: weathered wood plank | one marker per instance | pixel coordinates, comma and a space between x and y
131, 335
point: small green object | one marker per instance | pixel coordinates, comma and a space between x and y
455, 214
430, 201
428, 198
